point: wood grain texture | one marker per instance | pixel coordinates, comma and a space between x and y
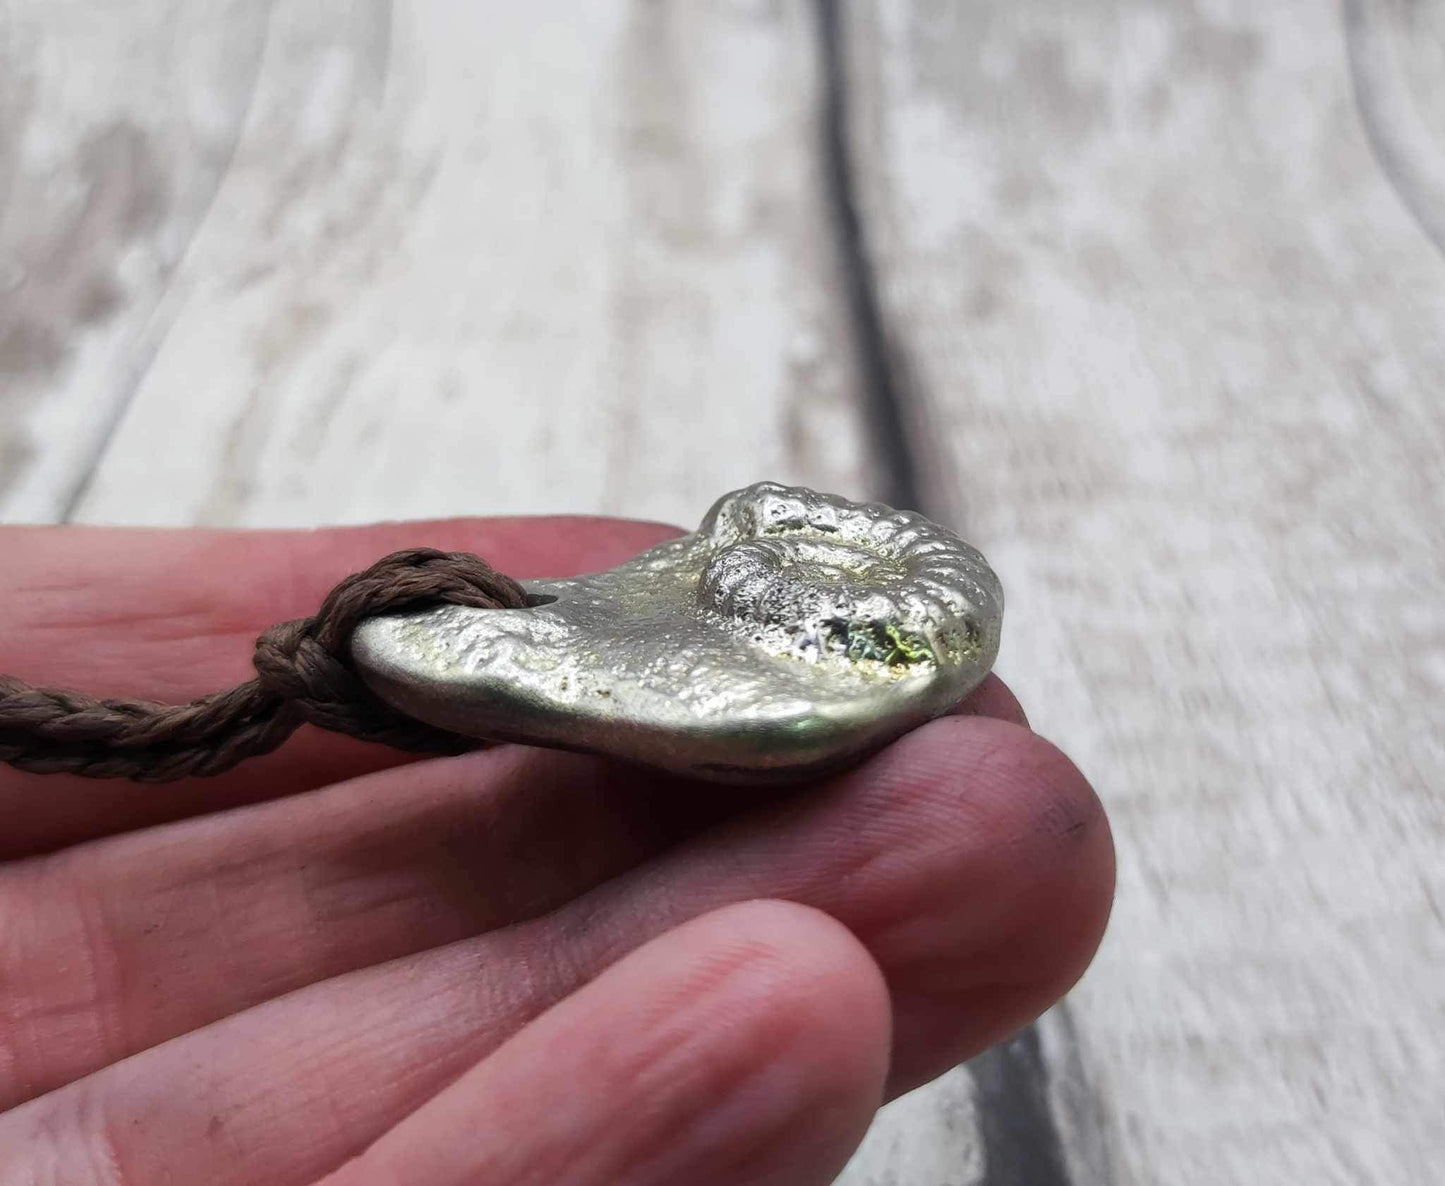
117, 126
468, 259
1397, 61
1175, 344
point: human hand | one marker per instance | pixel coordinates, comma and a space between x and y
517, 966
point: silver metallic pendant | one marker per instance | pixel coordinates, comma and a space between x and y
791, 634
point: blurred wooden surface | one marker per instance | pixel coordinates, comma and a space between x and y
449, 259
1155, 293
1177, 356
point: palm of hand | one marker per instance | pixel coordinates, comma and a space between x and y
515, 966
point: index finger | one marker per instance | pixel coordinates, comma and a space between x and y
172, 615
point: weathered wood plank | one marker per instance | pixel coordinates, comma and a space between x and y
461, 259
117, 124
1175, 349
1397, 61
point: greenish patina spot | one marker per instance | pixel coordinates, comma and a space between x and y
882, 641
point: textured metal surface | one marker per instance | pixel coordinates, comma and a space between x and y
791, 633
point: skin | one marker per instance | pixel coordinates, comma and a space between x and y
342, 964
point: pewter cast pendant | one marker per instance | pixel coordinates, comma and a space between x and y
791, 634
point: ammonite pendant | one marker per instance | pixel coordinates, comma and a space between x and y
791, 634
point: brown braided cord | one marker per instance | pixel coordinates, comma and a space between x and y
304, 674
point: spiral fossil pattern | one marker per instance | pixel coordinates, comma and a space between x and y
829, 578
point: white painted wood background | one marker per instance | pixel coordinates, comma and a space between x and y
1163, 287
